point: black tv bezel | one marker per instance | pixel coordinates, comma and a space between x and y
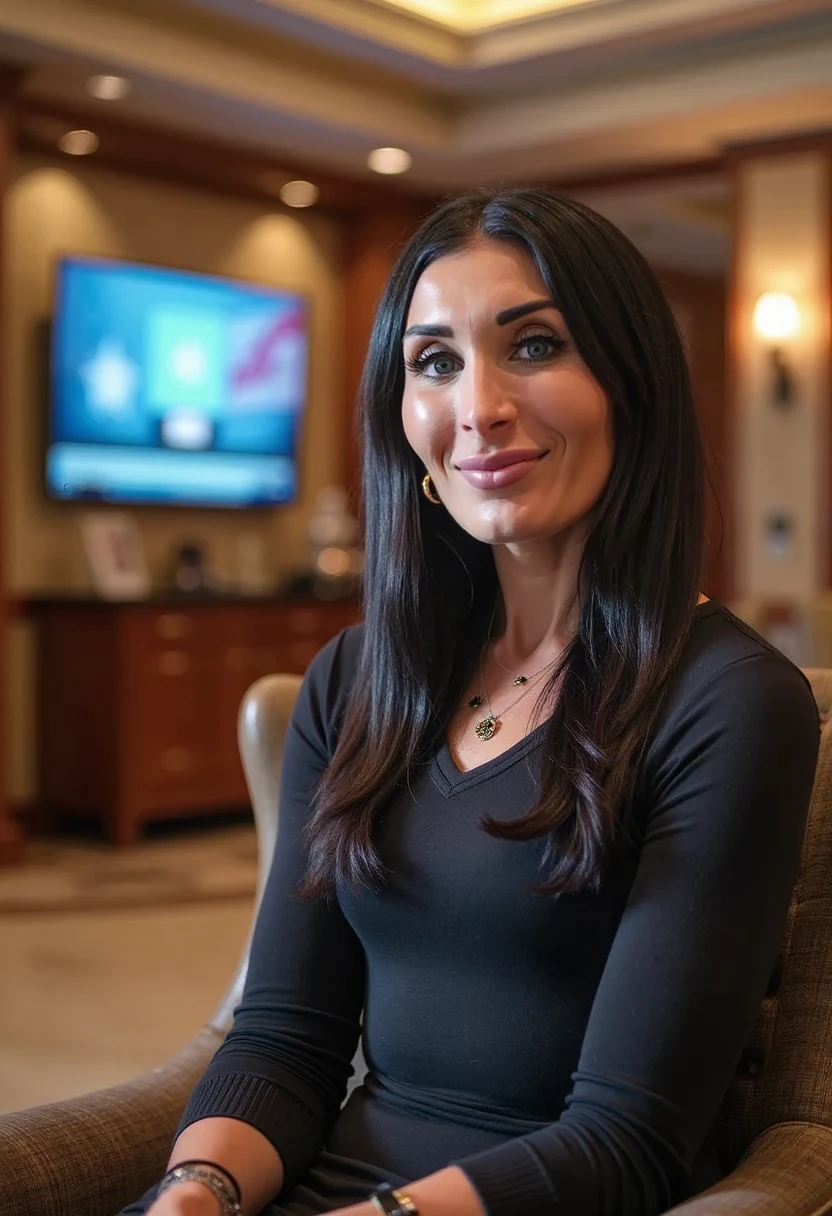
46, 338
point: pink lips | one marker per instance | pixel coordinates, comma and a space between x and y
500, 469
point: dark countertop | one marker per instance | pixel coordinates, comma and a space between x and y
34, 604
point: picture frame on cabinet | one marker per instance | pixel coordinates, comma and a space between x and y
115, 555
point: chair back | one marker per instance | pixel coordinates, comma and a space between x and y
785, 1073
262, 722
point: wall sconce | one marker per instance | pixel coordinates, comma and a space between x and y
777, 317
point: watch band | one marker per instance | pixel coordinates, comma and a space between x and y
389, 1202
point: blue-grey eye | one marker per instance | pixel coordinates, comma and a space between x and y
443, 365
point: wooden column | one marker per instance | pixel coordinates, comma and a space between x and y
374, 240
700, 302
10, 836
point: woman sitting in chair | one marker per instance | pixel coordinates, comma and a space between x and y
541, 815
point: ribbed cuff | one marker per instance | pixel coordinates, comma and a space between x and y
291, 1126
509, 1181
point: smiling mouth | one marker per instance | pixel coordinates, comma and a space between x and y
497, 478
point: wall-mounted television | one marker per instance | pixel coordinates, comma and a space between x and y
169, 387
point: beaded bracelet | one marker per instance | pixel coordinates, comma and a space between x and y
213, 1165
208, 1177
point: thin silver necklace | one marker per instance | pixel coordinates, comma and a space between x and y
486, 727
520, 679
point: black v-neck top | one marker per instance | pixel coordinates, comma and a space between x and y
570, 1054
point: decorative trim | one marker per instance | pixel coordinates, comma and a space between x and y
143, 150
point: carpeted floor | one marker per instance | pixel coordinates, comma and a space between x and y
112, 960
190, 867
95, 998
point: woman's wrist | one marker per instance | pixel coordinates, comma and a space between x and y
187, 1199
206, 1175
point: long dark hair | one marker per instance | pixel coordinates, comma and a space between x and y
431, 589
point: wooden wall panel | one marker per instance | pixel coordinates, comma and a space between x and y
10, 837
702, 302
374, 240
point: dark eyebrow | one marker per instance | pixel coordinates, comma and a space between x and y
503, 318
522, 310
429, 331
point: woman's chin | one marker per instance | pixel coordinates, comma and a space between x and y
506, 531
515, 524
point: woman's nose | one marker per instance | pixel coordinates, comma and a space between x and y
485, 401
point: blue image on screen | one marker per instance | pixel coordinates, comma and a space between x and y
186, 360
170, 386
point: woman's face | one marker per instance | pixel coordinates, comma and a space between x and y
511, 425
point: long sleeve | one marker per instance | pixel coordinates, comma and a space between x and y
726, 789
284, 1065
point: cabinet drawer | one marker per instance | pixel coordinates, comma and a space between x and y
172, 626
167, 687
289, 637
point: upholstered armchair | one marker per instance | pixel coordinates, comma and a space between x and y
92, 1155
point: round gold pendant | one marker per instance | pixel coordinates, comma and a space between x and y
486, 728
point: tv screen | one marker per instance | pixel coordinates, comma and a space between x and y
174, 388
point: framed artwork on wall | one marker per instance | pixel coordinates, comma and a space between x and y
115, 556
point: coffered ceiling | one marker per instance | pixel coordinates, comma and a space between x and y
475, 90
473, 16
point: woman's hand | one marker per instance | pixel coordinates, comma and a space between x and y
445, 1193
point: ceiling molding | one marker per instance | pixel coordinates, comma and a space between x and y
816, 140
245, 67
154, 152
640, 175
676, 91
362, 28
456, 54
321, 82
472, 17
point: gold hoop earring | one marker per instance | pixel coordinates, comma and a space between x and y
428, 490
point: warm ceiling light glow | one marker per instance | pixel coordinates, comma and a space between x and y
78, 143
390, 160
108, 88
299, 194
776, 316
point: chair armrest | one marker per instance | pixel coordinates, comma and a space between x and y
91, 1156
786, 1172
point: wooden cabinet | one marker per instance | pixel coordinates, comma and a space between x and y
138, 703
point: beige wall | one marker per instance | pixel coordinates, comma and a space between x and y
782, 244
52, 210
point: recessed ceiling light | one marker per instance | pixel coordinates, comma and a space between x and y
78, 143
109, 88
390, 160
299, 194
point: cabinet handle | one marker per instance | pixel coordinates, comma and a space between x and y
239, 658
176, 760
174, 662
173, 625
